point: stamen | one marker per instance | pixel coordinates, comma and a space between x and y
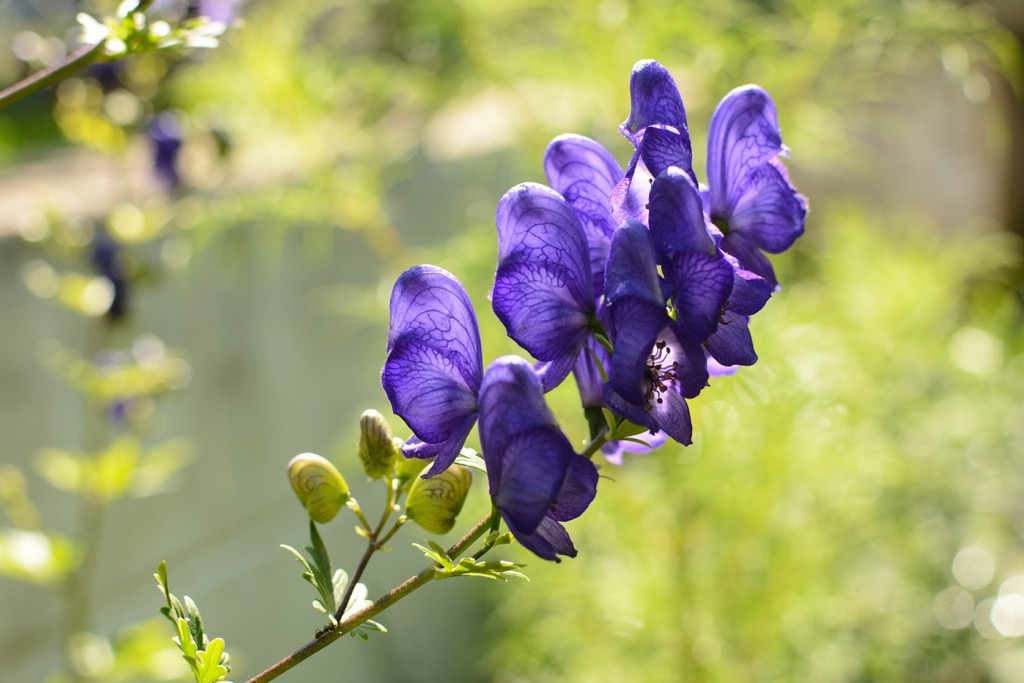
660, 373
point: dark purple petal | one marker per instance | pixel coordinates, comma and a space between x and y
750, 292
731, 344
662, 148
533, 468
654, 99
677, 216
585, 173
633, 306
445, 452
687, 358
547, 541
671, 415
511, 402
553, 373
578, 490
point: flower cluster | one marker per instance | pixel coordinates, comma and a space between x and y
640, 283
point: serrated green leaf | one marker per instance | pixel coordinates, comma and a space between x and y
441, 555
185, 641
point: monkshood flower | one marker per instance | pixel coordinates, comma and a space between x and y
543, 292
435, 364
654, 368
536, 478
108, 261
750, 197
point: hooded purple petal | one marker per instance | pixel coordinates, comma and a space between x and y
434, 366
578, 490
654, 99
749, 189
542, 289
585, 174
662, 148
750, 292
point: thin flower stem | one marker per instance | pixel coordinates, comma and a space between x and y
374, 543
388, 599
79, 59
595, 444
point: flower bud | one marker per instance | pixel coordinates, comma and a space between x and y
435, 503
377, 448
319, 486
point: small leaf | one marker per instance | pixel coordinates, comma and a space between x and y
467, 457
209, 669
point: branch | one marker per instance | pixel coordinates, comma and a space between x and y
79, 59
390, 598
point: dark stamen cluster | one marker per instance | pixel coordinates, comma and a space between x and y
659, 373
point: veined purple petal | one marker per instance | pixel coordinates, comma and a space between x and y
553, 373
749, 188
543, 292
434, 366
767, 209
662, 147
744, 134
539, 310
671, 415
731, 343
547, 541
701, 284
687, 360
430, 306
585, 174
654, 99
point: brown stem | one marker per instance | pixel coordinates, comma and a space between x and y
390, 598
80, 58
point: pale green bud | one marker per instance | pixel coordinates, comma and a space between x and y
319, 486
435, 503
377, 448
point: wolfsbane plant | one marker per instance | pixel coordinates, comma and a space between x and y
638, 282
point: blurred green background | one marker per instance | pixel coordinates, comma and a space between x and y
852, 508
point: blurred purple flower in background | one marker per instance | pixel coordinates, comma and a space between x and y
165, 135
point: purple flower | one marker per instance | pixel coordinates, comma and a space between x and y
164, 131
435, 363
108, 261
543, 292
750, 197
214, 10
653, 368
536, 478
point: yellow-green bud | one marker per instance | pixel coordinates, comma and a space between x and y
435, 503
319, 486
377, 449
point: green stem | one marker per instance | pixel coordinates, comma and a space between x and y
595, 444
79, 59
390, 598
374, 543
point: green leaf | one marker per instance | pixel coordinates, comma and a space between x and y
467, 457
195, 621
208, 668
